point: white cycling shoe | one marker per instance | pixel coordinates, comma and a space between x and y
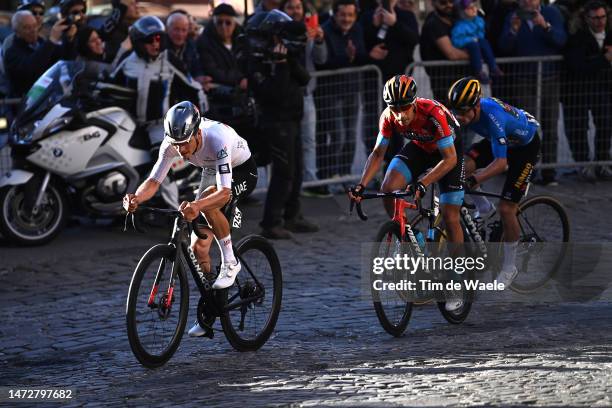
507, 276
454, 302
196, 330
227, 275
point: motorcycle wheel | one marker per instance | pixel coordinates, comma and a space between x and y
31, 229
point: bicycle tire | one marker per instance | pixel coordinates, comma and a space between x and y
234, 337
557, 207
394, 329
147, 359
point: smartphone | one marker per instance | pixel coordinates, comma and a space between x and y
311, 21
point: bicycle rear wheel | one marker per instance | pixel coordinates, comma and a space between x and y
154, 325
543, 222
392, 309
254, 301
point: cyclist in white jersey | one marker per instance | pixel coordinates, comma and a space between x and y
210, 145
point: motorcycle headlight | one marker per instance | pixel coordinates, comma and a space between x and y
23, 135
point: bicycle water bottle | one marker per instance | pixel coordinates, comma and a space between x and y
420, 239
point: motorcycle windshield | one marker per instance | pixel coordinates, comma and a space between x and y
55, 84
52, 86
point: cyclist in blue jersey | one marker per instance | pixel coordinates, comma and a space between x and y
511, 142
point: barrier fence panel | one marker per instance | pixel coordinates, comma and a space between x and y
541, 85
348, 104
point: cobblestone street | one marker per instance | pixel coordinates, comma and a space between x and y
63, 325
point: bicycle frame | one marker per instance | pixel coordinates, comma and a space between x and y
399, 215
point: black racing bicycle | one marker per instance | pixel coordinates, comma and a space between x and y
544, 231
158, 298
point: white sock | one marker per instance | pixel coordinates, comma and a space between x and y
482, 203
226, 249
509, 255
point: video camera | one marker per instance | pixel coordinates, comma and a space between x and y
267, 29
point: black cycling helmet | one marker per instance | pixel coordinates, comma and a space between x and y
400, 90
28, 4
181, 122
464, 94
66, 5
142, 30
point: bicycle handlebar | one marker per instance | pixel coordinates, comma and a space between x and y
367, 196
169, 213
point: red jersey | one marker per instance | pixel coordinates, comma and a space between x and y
429, 126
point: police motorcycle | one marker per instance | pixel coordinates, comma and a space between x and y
72, 145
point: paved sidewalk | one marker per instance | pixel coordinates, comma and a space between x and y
63, 325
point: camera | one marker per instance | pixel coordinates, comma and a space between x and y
265, 30
71, 20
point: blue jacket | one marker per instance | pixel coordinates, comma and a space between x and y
466, 31
536, 41
336, 46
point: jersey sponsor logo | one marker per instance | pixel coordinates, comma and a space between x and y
437, 125
524, 177
502, 140
222, 154
240, 145
240, 188
507, 108
224, 168
444, 111
410, 135
496, 122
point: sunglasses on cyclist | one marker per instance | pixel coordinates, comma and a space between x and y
37, 13
78, 12
402, 108
175, 143
153, 39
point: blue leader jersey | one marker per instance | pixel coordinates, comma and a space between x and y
504, 126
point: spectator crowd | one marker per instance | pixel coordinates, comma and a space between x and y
302, 125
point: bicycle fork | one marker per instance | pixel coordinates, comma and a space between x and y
168, 297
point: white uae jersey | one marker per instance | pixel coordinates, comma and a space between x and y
222, 149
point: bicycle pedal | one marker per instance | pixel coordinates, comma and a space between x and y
210, 333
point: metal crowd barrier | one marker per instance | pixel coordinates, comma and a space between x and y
348, 104
575, 118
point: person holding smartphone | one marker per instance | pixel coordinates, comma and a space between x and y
536, 29
391, 33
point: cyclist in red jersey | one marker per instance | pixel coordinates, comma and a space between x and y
429, 127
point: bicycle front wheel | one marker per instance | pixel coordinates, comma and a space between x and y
392, 307
157, 306
543, 222
254, 301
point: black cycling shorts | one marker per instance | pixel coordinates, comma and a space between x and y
244, 180
418, 161
521, 161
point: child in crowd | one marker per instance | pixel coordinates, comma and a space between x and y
468, 34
